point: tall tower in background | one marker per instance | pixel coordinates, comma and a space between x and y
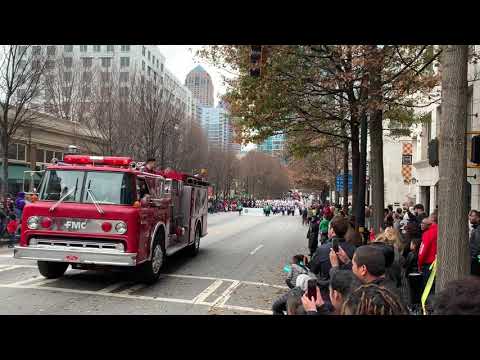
200, 84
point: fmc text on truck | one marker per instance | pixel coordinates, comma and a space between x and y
105, 211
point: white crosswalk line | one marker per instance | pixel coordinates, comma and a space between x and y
11, 267
113, 287
207, 292
222, 299
132, 289
23, 282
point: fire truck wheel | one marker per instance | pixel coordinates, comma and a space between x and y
150, 270
52, 270
195, 247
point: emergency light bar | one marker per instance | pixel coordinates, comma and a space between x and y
103, 160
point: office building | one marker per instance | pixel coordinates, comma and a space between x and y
274, 145
200, 84
139, 61
217, 124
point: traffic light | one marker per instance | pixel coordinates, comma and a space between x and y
433, 152
475, 156
255, 54
255, 60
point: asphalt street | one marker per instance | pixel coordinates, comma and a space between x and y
237, 271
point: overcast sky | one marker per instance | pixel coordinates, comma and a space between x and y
179, 59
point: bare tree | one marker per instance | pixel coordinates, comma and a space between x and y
21, 69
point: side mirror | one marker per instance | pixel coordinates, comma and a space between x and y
146, 201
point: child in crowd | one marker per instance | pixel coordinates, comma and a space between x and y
12, 229
298, 266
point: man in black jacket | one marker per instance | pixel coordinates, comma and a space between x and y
474, 218
313, 234
320, 262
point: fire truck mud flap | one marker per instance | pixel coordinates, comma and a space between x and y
75, 256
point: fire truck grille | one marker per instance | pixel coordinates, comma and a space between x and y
87, 243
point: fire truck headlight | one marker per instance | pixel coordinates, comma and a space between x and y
33, 222
121, 227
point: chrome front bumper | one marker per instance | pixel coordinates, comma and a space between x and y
75, 256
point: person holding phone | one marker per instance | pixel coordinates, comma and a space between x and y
342, 284
320, 263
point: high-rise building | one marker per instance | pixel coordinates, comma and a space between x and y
142, 61
200, 84
274, 145
216, 122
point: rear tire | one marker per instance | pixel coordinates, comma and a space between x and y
52, 270
195, 247
150, 270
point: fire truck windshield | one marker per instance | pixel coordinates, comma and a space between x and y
107, 187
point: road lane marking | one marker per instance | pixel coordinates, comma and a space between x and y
11, 267
247, 309
222, 299
113, 287
207, 292
265, 284
256, 249
89, 292
132, 289
6, 256
44, 282
23, 282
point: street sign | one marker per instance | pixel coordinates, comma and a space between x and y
339, 183
406, 159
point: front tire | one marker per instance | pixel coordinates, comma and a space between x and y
52, 270
150, 270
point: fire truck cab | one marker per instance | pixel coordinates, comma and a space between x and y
95, 211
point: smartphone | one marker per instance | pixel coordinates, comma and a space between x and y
312, 289
335, 245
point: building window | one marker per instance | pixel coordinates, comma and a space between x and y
67, 76
87, 62
125, 48
149, 71
110, 48
49, 155
66, 91
22, 150
124, 91
124, 61
50, 64
51, 50
143, 65
161, 67
68, 62
124, 76
40, 155
22, 50
36, 50
106, 62
105, 76
83, 48
97, 48
36, 65
153, 59
148, 55
87, 77
143, 50
86, 91
68, 48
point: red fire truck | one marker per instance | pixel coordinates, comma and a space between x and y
95, 211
